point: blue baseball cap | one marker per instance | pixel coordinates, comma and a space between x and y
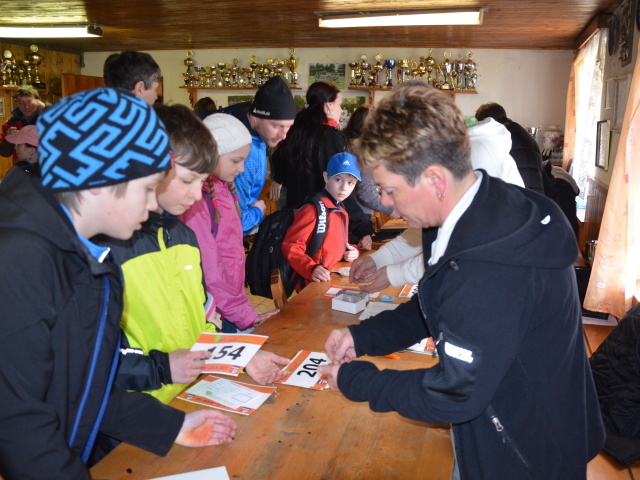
343, 162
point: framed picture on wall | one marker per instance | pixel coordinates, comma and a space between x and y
1, 107
602, 144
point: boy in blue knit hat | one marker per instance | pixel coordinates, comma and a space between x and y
103, 152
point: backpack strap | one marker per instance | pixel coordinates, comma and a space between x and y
322, 224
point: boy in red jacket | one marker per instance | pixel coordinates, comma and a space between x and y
341, 177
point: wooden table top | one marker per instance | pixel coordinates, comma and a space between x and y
302, 433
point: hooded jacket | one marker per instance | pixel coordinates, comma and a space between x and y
59, 336
223, 257
164, 303
249, 183
526, 152
513, 376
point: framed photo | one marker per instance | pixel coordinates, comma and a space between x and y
1, 107
620, 97
602, 145
327, 72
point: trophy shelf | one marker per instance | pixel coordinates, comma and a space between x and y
193, 91
372, 91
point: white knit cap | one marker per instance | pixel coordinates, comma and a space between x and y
229, 132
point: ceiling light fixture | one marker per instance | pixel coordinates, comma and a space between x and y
50, 31
390, 18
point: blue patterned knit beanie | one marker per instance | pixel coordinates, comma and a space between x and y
98, 138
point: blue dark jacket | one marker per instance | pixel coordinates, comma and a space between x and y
513, 376
53, 296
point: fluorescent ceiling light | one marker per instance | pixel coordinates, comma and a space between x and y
49, 31
390, 18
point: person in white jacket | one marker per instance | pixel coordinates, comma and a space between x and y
400, 261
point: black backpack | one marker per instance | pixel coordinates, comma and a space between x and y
266, 251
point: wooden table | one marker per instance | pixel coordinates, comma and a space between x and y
305, 434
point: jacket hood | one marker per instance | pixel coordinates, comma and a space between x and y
27, 206
491, 133
530, 224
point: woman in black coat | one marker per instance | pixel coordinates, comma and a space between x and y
312, 140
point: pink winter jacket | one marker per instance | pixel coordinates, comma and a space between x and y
223, 256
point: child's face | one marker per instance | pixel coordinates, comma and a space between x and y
230, 165
340, 186
121, 215
180, 189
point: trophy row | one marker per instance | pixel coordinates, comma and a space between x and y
15, 72
235, 75
447, 75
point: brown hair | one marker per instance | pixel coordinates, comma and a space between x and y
212, 194
192, 143
413, 128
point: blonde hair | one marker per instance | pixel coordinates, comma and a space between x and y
413, 128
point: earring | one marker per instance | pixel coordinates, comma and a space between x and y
440, 196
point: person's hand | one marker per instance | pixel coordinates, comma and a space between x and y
274, 191
331, 371
365, 242
263, 316
186, 365
361, 269
266, 367
216, 319
379, 281
395, 214
260, 204
351, 253
320, 274
339, 346
203, 428
11, 130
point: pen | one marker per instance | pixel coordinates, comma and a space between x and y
391, 356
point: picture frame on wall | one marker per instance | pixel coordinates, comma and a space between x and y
620, 97
602, 144
2, 107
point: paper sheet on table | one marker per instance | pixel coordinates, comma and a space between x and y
335, 289
425, 346
375, 308
302, 371
231, 352
227, 395
217, 473
611, 321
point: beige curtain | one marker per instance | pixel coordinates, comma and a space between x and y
583, 110
616, 268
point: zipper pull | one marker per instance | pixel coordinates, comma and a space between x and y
435, 350
499, 427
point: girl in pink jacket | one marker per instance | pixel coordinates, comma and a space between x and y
215, 219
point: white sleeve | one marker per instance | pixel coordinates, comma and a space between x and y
409, 271
401, 248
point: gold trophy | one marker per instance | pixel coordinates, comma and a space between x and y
470, 73
221, 74
253, 66
35, 59
188, 62
5, 69
234, 73
447, 67
365, 67
431, 64
377, 68
292, 65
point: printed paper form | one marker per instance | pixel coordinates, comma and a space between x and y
217, 473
